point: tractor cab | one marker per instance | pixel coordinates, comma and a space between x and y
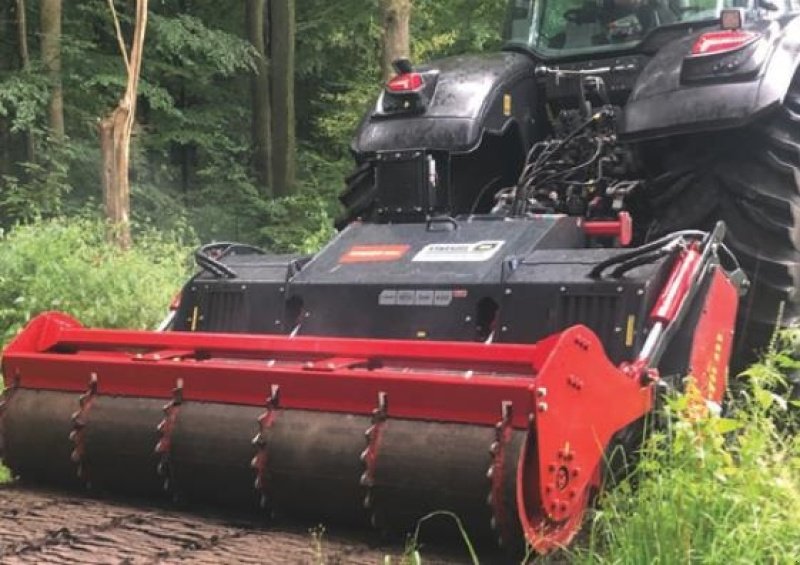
565, 28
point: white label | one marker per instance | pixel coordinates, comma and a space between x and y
436, 298
458, 252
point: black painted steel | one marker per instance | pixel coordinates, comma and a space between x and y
314, 466
37, 427
120, 445
211, 454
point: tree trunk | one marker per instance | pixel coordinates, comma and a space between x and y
51, 58
115, 134
25, 62
396, 23
6, 30
282, 44
260, 97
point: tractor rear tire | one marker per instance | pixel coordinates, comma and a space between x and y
749, 178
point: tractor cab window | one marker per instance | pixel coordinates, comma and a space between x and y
554, 27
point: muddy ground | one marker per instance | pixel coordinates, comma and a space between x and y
48, 527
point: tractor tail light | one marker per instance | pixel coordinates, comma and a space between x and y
715, 42
406, 82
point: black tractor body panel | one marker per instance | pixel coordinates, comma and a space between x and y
254, 302
678, 94
484, 279
435, 286
472, 95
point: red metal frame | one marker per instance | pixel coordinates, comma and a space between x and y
559, 389
713, 340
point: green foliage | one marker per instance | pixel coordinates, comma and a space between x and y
67, 265
38, 188
23, 97
196, 51
712, 490
449, 28
303, 223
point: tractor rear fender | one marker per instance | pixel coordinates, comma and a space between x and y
465, 97
665, 101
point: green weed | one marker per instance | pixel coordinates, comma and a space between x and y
710, 489
66, 265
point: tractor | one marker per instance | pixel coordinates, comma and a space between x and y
538, 247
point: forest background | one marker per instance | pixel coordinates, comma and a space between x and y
245, 110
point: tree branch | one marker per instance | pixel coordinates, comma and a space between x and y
120, 40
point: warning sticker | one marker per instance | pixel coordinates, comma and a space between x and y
458, 252
374, 253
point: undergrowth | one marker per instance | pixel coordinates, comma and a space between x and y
710, 489
66, 265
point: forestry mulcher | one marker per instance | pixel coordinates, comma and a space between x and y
534, 253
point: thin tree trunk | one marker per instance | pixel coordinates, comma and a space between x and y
25, 60
6, 30
257, 21
51, 58
115, 133
282, 50
396, 23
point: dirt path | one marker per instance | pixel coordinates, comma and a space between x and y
44, 527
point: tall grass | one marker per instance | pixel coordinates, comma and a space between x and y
67, 265
709, 489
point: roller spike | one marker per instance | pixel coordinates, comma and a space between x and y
368, 501
161, 425
73, 436
493, 523
490, 473
161, 447
494, 449
366, 480
489, 500
262, 502
364, 455
507, 411
274, 396
370, 431
254, 462
75, 457
258, 440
